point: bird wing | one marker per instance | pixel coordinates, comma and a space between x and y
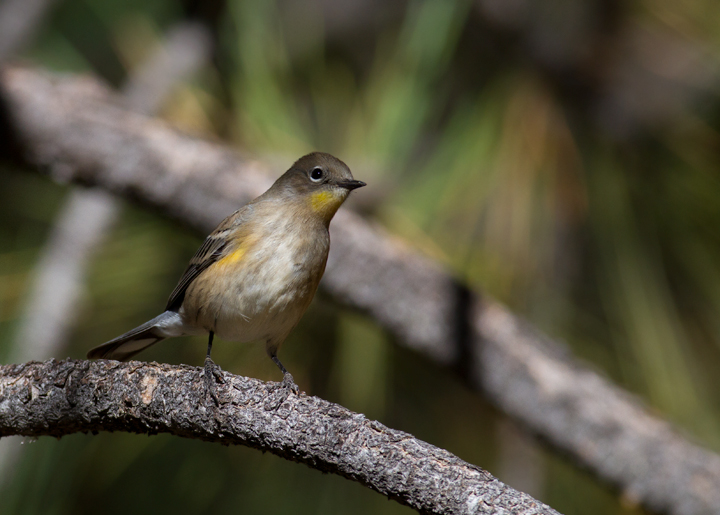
216, 246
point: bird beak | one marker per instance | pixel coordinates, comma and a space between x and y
351, 185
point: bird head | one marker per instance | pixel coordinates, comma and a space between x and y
317, 183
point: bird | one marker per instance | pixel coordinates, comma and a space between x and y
254, 276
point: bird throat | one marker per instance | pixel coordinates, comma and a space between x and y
326, 203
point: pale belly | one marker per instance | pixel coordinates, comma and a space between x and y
261, 298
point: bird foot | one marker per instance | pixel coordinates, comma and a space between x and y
213, 374
289, 383
283, 391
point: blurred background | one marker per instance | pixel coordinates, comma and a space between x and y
561, 156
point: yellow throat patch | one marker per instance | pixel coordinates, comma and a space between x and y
326, 203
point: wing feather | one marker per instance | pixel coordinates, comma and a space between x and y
215, 247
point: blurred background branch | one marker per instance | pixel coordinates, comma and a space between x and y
85, 220
19, 21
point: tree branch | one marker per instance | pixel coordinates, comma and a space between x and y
77, 129
58, 398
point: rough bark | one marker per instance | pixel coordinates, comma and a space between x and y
58, 398
76, 129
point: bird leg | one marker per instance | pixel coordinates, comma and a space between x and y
287, 386
288, 381
212, 371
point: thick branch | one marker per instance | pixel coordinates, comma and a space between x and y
77, 129
58, 398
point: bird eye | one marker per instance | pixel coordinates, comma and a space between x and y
316, 174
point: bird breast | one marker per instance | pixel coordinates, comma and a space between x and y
261, 290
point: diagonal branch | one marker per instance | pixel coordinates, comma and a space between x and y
77, 129
58, 398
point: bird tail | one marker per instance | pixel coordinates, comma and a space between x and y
136, 340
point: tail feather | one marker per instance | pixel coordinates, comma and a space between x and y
134, 341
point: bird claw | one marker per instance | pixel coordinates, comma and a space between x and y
289, 383
213, 374
284, 389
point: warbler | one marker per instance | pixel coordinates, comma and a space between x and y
254, 276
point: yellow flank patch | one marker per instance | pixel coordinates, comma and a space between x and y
324, 202
233, 258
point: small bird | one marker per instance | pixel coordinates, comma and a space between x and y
254, 276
